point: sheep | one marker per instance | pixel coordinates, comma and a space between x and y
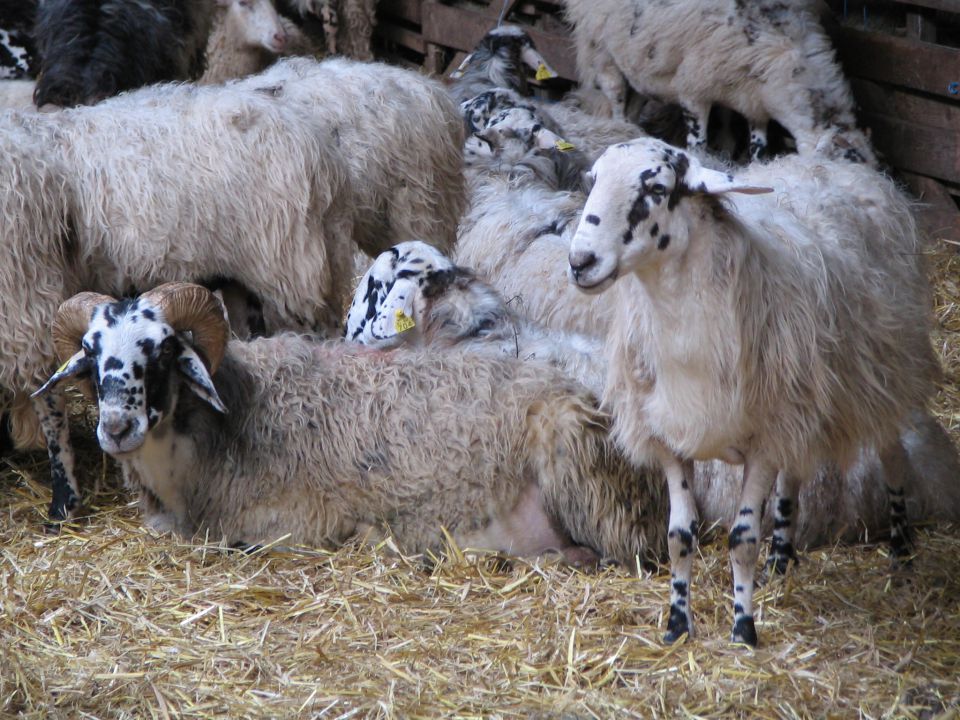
67, 226
402, 140
496, 62
247, 36
780, 331
322, 442
17, 49
445, 306
777, 63
494, 72
93, 49
16, 94
516, 235
416, 296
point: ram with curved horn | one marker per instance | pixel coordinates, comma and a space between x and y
250, 441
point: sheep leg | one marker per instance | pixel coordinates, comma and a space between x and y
896, 471
758, 139
51, 410
681, 542
613, 85
782, 551
744, 541
696, 117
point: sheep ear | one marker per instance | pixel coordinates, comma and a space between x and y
532, 57
395, 315
198, 379
704, 180
78, 363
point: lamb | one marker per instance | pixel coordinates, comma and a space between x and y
446, 307
777, 63
497, 62
93, 49
247, 36
324, 441
804, 335
414, 295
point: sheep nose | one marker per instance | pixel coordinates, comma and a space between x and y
580, 261
280, 39
116, 427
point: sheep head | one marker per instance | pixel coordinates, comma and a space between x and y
634, 216
135, 351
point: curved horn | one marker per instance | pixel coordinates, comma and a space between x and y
73, 319
186, 306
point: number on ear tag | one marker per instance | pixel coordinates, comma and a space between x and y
402, 322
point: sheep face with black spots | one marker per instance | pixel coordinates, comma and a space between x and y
135, 360
384, 303
628, 222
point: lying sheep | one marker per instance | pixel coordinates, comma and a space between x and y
446, 307
414, 295
322, 442
247, 36
777, 63
497, 62
782, 331
93, 49
89, 204
516, 236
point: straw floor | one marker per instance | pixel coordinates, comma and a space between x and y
110, 620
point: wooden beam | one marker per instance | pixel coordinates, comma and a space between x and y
401, 36
920, 66
462, 29
945, 5
408, 10
886, 100
916, 148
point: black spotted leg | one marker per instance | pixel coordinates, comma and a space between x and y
51, 410
782, 549
758, 140
896, 472
696, 117
681, 543
744, 541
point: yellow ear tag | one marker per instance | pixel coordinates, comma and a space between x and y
402, 322
564, 146
62, 367
543, 73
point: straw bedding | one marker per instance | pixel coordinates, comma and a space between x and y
110, 620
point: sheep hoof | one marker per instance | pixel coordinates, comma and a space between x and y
779, 564
744, 631
677, 626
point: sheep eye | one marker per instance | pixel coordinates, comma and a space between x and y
658, 189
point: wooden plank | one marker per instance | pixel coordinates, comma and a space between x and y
462, 29
886, 100
938, 217
408, 10
946, 5
402, 36
917, 65
921, 27
917, 148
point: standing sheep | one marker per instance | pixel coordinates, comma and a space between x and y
324, 441
782, 331
765, 59
247, 36
93, 49
400, 136
446, 307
